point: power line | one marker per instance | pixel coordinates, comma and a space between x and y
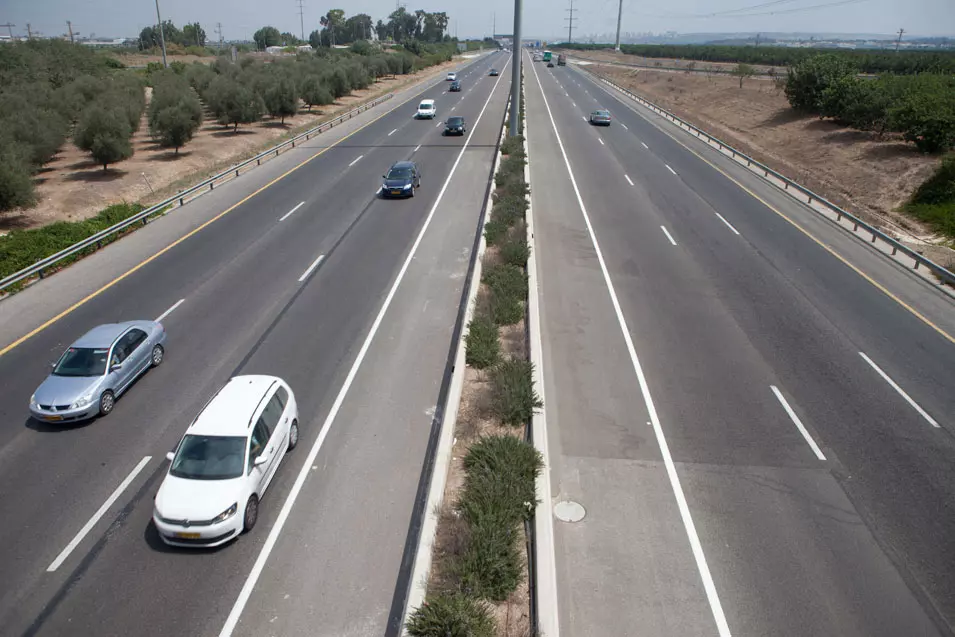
570, 21
738, 13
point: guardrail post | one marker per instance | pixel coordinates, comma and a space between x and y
212, 186
839, 217
180, 202
874, 236
258, 162
236, 172
40, 273
916, 264
855, 226
785, 185
894, 250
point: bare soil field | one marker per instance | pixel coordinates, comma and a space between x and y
670, 63
72, 187
868, 176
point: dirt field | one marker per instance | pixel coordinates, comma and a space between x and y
696, 65
72, 187
867, 176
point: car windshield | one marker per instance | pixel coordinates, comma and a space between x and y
210, 457
602, 113
455, 121
82, 361
399, 173
425, 106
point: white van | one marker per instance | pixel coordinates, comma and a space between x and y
426, 110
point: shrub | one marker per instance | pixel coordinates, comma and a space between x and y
514, 249
495, 230
175, 126
451, 615
281, 99
934, 201
508, 290
235, 104
925, 115
314, 92
809, 79
482, 348
513, 396
513, 145
508, 209
16, 182
105, 133
491, 565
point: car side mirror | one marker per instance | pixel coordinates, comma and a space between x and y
115, 366
170, 455
260, 460
53, 365
384, 176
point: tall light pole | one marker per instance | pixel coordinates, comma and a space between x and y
616, 46
516, 70
162, 38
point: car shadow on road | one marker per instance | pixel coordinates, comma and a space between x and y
57, 428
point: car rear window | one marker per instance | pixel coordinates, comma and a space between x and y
426, 106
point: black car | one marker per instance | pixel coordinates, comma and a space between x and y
455, 85
494, 72
550, 65
455, 126
402, 180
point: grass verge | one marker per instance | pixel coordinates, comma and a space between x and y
934, 201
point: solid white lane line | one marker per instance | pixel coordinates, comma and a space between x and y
670, 169
354, 161
566, 94
901, 391
311, 267
99, 514
289, 213
453, 107
798, 423
645, 146
170, 310
627, 177
624, 126
583, 118
601, 141
439, 125
728, 224
417, 148
392, 132
574, 103
667, 233
233, 619
708, 585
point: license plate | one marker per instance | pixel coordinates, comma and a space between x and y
396, 192
188, 536
53, 418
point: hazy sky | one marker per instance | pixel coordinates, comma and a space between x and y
542, 18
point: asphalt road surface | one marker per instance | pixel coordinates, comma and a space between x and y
729, 412
350, 298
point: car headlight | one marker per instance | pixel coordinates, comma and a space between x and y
406, 186
33, 402
225, 515
83, 401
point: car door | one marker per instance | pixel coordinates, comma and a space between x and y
258, 445
120, 365
138, 350
271, 420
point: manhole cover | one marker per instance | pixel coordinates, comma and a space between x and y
569, 511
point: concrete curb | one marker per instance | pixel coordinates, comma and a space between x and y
545, 563
421, 569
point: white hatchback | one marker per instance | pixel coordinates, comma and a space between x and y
225, 462
452, 76
426, 110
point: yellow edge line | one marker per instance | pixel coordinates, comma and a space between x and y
172, 245
825, 247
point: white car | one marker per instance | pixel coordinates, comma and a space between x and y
452, 76
225, 462
426, 110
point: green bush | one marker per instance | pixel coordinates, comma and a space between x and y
925, 114
513, 397
495, 230
105, 133
514, 249
508, 209
808, 81
507, 278
513, 146
281, 99
491, 565
16, 181
934, 201
451, 615
482, 348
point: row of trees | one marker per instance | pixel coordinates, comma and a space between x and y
191, 34
920, 107
864, 60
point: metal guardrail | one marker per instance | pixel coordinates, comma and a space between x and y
945, 275
37, 269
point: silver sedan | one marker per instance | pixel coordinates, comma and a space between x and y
96, 369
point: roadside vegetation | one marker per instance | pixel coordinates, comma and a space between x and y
480, 561
934, 201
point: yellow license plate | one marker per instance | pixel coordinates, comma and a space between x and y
396, 192
53, 418
188, 536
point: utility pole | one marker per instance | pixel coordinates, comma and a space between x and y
162, 38
301, 16
69, 26
9, 28
619, 18
899, 41
29, 32
757, 40
570, 22
494, 26
516, 71
219, 33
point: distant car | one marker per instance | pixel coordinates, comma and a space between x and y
600, 118
455, 126
401, 180
550, 65
494, 73
426, 110
452, 76
455, 86
93, 372
224, 463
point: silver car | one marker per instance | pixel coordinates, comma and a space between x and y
96, 369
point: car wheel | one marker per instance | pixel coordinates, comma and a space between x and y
251, 513
106, 403
157, 355
293, 435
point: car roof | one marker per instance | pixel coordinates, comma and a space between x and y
455, 118
427, 101
230, 411
403, 164
104, 335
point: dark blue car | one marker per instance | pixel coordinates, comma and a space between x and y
402, 180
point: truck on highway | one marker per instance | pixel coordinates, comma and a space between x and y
561, 60
547, 56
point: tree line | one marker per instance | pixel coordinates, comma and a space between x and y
53, 91
191, 34
920, 107
864, 60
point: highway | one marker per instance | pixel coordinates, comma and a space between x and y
724, 396
351, 299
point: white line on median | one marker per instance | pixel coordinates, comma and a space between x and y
354, 161
627, 177
289, 213
392, 132
901, 391
645, 146
99, 514
667, 233
233, 619
798, 423
311, 267
417, 148
697, 548
728, 224
670, 169
601, 141
170, 310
